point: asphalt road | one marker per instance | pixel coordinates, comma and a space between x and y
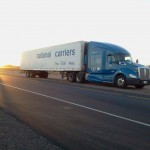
77, 116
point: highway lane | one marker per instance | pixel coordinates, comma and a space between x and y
79, 117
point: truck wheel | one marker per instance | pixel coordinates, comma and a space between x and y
72, 77
33, 74
80, 77
40, 74
27, 73
45, 74
139, 86
120, 81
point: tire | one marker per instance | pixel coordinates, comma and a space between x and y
40, 74
33, 74
27, 73
80, 77
121, 81
139, 86
43, 74
72, 77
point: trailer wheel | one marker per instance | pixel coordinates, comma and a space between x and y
80, 77
40, 74
27, 73
45, 74
120, 81
72, 77
33, 74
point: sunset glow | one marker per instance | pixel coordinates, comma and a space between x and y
27, 25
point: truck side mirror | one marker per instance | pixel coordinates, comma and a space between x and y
137, 61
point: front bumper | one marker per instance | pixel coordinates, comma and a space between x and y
131, 81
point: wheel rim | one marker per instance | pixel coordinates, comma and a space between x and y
78, 78
70, 77
120, 82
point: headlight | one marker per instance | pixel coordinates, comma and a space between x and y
132, 76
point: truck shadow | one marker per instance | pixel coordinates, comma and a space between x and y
112, 86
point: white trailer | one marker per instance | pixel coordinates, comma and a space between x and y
63, 58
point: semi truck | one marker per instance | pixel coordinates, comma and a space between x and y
87, 61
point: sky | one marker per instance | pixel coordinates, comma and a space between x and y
31, 24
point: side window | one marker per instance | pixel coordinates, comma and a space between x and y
95, 60
111, 58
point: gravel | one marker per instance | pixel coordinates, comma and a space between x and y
15, 135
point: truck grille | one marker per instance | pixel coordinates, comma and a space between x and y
144, 73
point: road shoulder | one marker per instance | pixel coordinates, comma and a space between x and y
15, 135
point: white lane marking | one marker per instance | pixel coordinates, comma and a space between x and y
138, 97
82, 106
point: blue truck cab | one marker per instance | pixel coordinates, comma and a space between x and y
110, 63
